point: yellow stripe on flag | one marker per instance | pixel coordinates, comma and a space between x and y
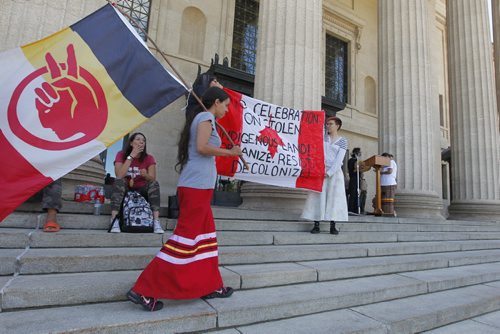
123, 117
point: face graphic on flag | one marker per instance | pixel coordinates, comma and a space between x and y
67, 97
282, 146
71, 103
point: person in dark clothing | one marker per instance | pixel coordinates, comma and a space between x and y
109, 180
357, 183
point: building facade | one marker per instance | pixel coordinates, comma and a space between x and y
414, 78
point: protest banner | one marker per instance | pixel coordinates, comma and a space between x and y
282, 146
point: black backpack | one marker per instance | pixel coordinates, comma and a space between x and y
135, 215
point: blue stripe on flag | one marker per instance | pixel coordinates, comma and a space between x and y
128, 63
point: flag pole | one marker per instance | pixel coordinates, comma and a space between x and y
197, 98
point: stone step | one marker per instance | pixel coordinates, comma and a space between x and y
19, 238
68, 289
26, 291
65, 260
381, 249
484, 324
112, 318
457, 228
291, 238
406, 315
21, 220
273, 274
368, 224
350, 268
66, 221
251, 306
343, 321
429, 236
455, 277
36, 261
8, 260
70, 207
80, 275
95, 238
287, 301
14, 237
31, 291
74, 260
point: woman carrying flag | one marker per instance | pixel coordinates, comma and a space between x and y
187, 266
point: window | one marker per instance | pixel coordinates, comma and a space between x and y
246, 14
336, 67
139, 11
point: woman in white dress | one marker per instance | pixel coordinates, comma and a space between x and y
331, 203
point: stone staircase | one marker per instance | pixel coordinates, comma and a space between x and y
379, 275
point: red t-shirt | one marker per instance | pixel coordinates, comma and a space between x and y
135, 167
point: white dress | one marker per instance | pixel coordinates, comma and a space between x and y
331, 203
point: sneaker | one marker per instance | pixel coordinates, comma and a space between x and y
149, 303
133, 296
223, 292
116, 227
157, 227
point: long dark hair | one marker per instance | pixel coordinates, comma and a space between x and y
211, 95
200, 85
128, 146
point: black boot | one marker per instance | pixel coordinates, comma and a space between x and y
315, 229
333, 230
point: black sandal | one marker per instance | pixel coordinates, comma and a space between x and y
223, 292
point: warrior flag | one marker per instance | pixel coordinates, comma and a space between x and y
282, 146
65, 98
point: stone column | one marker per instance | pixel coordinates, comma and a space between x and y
474, 118
408, 119
288, 73
495, 11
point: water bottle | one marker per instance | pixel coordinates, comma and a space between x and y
97, 207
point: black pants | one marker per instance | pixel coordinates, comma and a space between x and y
352, 202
